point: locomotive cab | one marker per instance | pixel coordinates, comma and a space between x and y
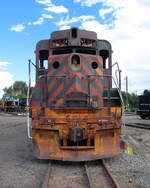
76, 114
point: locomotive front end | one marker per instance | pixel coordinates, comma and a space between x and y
74, 114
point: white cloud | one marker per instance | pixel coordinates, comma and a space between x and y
102, 12
3, 65
48, 16
94, 25
64, 27
108, 3
50, 7
18, 28
68, 20
56, 9
139, 17
45, 2
84, 18
6, 78
88, 3
130, 39
39, 21
29, 23
21, 27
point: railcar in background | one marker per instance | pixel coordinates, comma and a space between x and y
144, 105
13, 105
75, 111
2, 105
22, 104
10, 104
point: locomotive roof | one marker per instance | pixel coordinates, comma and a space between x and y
67, 33
73, 37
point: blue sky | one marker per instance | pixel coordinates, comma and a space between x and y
126, 24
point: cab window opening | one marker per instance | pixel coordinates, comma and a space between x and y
105, 56
43, 58
74, 33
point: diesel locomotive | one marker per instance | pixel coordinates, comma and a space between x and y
75, 111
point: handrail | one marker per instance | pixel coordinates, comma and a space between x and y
119, 90
123, 132
29, 126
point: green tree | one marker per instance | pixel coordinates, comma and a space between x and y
132, 100
8, 92
17, 90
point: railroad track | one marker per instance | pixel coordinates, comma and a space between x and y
139, 126
78, 175
12, 114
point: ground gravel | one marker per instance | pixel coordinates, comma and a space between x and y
133, 169
18, 169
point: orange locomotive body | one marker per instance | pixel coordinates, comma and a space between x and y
76, 114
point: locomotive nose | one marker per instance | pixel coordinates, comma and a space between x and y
77, 92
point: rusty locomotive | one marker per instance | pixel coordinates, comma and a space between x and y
76, 114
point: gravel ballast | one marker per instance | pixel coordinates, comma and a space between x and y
133, 169
18, 169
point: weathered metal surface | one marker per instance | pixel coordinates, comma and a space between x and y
69, 119
52, 134
63, 81
76, 134
107, 144
73, 37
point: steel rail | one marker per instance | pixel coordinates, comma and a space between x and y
88, 176
110, 178
47, 176
138, 126
112, 181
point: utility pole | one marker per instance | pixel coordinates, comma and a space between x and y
120, 79
126, 92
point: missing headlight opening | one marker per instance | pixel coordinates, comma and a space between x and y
75, 63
